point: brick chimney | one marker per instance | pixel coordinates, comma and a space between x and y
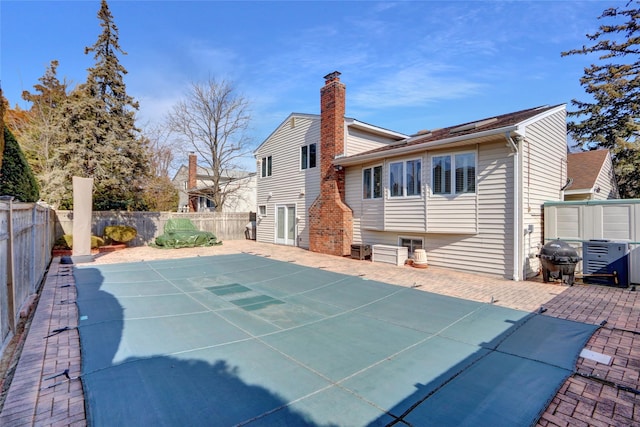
330, 219
192, 182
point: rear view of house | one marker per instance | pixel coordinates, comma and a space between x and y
471, 195
290, 165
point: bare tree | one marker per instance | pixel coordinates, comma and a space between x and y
161, 154
212, 122
159, 193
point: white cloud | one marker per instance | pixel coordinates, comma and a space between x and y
413, 86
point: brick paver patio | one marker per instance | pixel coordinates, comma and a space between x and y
46, 392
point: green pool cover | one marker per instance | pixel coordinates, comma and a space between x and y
246, 340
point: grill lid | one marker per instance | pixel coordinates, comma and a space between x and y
559, 252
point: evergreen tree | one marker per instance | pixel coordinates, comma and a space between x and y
612, 119
16, 177
3, 108
38, 130
102, 141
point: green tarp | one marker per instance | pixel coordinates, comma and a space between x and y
181, 233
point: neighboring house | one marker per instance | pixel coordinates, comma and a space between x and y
471, 195
194, 183
590, 176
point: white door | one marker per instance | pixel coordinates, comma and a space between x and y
286, 225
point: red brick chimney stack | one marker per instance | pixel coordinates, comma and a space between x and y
330, 219
192, 182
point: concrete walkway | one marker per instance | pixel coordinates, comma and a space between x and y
41, 394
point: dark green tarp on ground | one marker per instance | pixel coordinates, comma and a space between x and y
181, 233
245, 340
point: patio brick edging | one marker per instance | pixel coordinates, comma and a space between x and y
34, 397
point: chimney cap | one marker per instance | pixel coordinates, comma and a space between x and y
332, 76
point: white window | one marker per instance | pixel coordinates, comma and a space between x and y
405, 178
262, 210
411, 243
266, 166
205, 204
372, 182
462, 181
308, 156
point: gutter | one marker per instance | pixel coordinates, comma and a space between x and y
362, 158
516, 206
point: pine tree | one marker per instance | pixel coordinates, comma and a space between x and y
102, 141
38, 130
612, 119
3, 108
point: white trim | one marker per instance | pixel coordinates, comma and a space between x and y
452, 154
372, 167
425, 146
403, 162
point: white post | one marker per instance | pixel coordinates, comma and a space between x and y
82, 212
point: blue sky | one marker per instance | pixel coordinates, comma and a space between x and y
407, 65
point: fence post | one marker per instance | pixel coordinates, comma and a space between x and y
35, 262
11, 295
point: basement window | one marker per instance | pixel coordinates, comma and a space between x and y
411, 243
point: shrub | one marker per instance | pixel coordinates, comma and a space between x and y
66, 242
16, 177
119, 233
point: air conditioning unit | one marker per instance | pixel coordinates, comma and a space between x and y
605, 263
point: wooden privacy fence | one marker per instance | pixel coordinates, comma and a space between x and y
225, 225
613, 220
26, 239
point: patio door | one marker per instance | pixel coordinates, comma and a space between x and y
286, 224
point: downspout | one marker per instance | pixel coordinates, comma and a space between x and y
516, 205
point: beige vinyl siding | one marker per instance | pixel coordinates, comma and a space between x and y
358, 141
544, 173
606, 183
288, 184
353, 198
489, 251
373, 214
454, 213
367, 213
404, 214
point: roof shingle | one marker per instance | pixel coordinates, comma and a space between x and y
584, 168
